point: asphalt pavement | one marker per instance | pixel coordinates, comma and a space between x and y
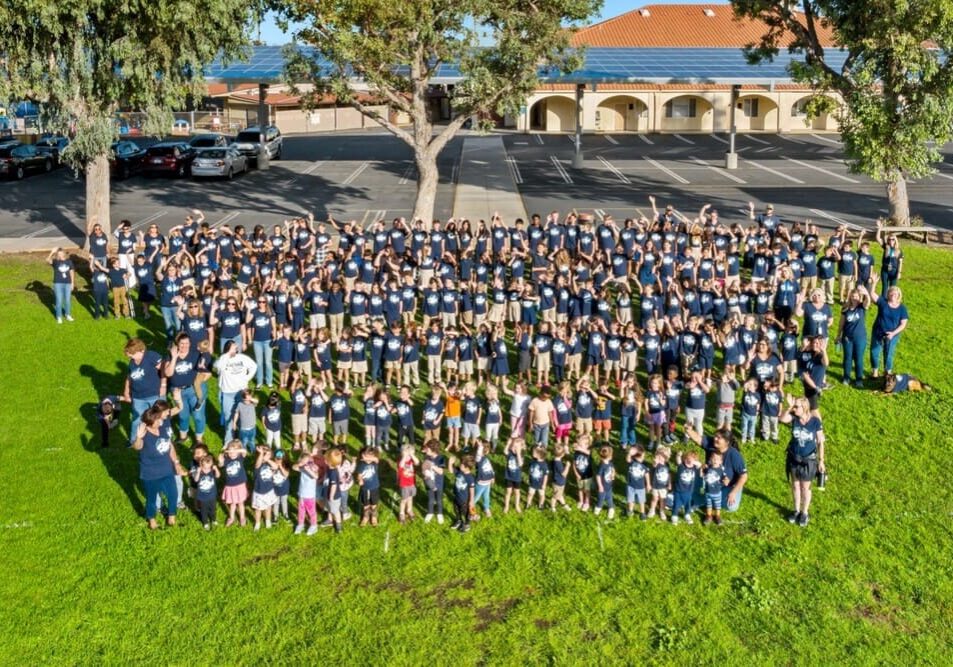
368, 175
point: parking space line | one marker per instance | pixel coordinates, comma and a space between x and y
791, 139
514, 168
615, 170
559, 168
684, 139
539, 139
600, 212
767, 150
226, 219
717, 170
666, 170
306, 172
407, 175
39, 232
354, 174
758, 165
147, 220
834, 218
846, 179
717, 138
820, 138
757, 140
646, 139
612, 141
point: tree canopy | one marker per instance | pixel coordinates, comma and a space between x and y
394, 49
896, 82
83, 60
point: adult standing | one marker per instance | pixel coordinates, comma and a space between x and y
892, 318
181, 368
852, 334
144, 384
736, 470
158, 463
805, 454
814, 362
169, 297
892, 264
260, 328
234, 370
64, 279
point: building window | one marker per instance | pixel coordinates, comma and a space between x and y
682, 107
750, 107
799, 110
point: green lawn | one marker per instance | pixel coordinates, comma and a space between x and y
84, 581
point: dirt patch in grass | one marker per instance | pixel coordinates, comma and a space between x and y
543, 623
494, 612
272, 555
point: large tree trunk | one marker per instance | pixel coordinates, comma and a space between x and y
97, 194
899, 201
427, 179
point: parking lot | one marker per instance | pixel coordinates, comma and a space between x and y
365, 176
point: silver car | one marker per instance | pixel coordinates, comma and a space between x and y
225, 161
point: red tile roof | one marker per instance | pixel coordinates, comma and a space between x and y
691, 26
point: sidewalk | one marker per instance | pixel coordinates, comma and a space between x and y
40, 243
485, 184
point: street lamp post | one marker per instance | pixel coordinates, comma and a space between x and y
731, 157
262, 123
577, 158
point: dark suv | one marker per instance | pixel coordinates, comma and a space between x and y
17, 159
169, 157
249, 139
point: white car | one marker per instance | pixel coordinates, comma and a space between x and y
224, 161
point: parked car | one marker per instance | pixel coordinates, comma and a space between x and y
126, 159
249, 139
181, 126
221, 161
16, 160
52, 145
169, 157
208, 141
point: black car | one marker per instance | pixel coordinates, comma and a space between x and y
52, 146
169, 157
209, 141
126, 159
17, 159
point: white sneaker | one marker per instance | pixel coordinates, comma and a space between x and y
674, 520
267, 523
689, 520
440, 519
59, 320
597, 511
567, 507
312, 530
428, 518
69, 318
651, 514
207, 527
257, 527
299, 529
611, 513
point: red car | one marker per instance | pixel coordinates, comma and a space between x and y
169, 157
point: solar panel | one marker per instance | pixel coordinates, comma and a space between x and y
601, 65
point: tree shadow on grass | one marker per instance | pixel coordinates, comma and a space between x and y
117, 459
782, 510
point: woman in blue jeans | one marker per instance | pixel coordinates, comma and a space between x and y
852, 334
892, 318
261, 327
145, 383
64, 277
158, 462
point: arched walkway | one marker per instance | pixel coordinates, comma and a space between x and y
687, 113
756, 113
822, 123
553, 114
622, 113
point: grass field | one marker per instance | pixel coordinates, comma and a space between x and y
83, 580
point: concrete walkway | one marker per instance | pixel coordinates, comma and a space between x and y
486, 183
40, 243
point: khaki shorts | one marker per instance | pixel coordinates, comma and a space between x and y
543, 362
299, 423
359, 367
466, 367
584, 425
392, 365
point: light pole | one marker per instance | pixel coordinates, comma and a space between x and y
577, 156
731, 157
262, 123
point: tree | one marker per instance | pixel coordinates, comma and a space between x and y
393, 49
84, 60
896, 82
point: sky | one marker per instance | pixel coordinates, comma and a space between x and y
271, 34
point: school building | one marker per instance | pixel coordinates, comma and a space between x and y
671, 68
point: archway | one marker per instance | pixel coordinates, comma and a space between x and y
821, 123
553, 114
622, 113
756, 113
